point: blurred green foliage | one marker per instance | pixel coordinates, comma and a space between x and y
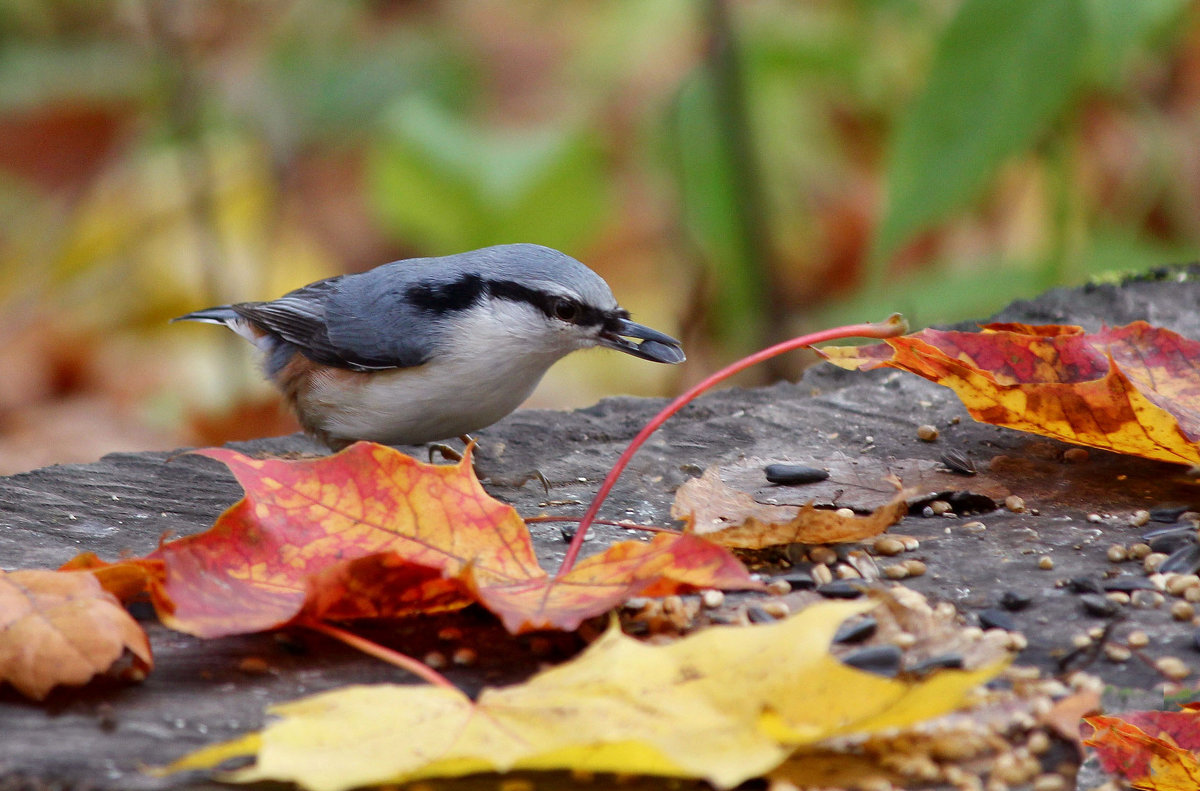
739, 169
449, 187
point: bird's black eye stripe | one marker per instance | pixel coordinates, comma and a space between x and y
554, 306
445, 297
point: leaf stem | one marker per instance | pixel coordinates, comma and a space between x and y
887, 329
402, 661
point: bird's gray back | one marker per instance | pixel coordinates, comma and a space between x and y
384, 317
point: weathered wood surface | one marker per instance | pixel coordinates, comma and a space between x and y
97, 737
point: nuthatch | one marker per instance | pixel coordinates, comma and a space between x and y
430, 348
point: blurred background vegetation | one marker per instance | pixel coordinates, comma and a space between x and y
738, 171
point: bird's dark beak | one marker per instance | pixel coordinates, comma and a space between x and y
655, 346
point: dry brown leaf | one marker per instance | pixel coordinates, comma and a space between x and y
61, 627
732, 518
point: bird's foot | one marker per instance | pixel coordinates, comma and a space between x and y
448, 453
517, 481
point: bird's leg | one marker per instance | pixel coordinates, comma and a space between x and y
515, 481
446, 452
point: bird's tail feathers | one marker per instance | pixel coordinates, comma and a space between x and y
222, 314
228, 317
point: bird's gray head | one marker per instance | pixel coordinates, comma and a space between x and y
529, 296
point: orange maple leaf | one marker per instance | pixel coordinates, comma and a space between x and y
1153, 750
370, 532
62, 628
1130, 389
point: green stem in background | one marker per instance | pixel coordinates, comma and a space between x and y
887, 329
734, 124
1062, 262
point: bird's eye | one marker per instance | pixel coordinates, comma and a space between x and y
566, 310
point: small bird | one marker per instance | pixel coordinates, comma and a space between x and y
426, 349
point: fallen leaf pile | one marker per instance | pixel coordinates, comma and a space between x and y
726, 704
366, 533
1130, 389
1152, 750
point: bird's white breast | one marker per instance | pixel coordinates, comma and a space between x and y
496, 359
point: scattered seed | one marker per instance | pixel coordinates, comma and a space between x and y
1095, 518
1152, 561
1139, 518
1117, 553
821, 575
845, 513
881, 660
974, 527
1139, 551
927, 433
757, 614
1045, 563
776, 609
841, 589
1049, 782
948, 661
1075, 455
435, 659
915, 568
992, 618
254, 666
1127, 584
1015, 600
1178, 584
1173, 668
1081, 640
1168, 515
794, 474
911, 544
895, 572
800, 577
712, 599
939, 507
1138, 639
1192, 594
1099, 605
1017, 641
465, 656
1185, 560
1038, 742
888, 546
1015, 504
1096, 632
958, 462
823, 554
856, 631
449, 633
1120, 597
1182, 611
1115, 652
778, 587
846, 572
1146, 600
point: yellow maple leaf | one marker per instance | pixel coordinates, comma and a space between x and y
726, 704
